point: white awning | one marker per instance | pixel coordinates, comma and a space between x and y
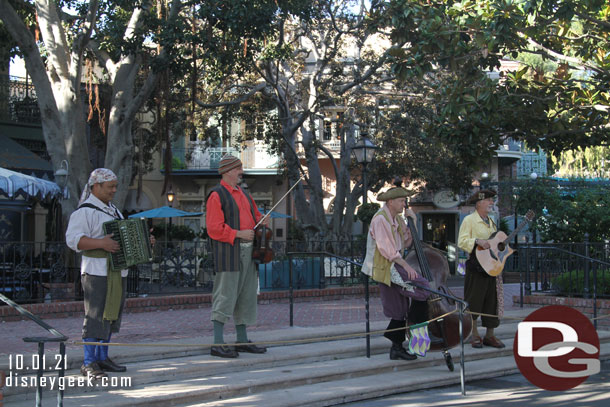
14, 184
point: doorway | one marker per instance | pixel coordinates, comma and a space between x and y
439, 229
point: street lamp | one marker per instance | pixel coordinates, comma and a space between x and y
484, 180
170, 196
364, 152
170, 199
61, 178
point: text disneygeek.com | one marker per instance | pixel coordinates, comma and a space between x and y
61, 383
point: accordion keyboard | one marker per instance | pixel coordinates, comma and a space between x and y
134, 242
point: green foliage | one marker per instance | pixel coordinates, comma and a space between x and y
582, 209
573, 283
178, 164
565, 210
367, 211
593, 162
558, 99
503, 226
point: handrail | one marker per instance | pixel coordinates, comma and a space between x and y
57, 337
462, 307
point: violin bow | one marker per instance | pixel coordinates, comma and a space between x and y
278, 202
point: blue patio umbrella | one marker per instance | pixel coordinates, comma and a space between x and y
164, 212
274, 214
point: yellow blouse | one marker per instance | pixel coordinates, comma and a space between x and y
474, 227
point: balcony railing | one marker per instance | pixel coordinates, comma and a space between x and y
18, 101
200, 157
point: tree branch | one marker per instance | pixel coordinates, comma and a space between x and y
259, 87
560, 57
54, 37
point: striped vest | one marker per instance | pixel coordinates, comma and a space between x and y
226, 256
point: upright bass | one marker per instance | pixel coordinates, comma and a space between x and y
433, 266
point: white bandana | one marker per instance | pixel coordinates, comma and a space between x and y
97, 176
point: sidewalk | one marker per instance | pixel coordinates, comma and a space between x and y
158, 326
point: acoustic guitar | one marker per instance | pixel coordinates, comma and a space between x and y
493, 259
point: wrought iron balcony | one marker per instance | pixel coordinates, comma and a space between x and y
200, 157
18, 100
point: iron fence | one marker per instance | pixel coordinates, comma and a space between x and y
18, 102
35, 272
568, 269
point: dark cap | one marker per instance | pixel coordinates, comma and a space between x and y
480, 195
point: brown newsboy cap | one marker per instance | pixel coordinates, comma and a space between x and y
393, 193
480, 195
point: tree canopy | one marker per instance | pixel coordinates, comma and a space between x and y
558, 110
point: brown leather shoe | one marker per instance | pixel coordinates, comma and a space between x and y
476, 342
250, 348
223, 351
93, 370
109, 366
493, 342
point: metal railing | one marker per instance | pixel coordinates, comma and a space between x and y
202, 157
567, 269
37, 272
56, 337
357, 266
18, 100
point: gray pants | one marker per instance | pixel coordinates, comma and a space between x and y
235, 292
94, 325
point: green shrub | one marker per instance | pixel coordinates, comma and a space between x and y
367, 211
573, 283
177, 164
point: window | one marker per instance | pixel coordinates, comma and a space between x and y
327, 130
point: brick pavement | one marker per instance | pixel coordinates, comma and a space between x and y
157, 326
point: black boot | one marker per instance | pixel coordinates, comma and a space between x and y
399, 335
398, 352
418, 312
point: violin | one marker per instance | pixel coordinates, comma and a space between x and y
262, 251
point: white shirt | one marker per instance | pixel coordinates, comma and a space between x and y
88, 222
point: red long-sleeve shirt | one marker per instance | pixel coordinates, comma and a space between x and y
215, 217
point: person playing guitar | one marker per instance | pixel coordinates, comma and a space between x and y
481, 290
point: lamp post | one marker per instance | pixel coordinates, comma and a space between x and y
170, 199
484, 180
61, 178
364, 152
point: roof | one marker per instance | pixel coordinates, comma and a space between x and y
13, 184
14, 155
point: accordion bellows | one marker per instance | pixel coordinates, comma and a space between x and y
134, 241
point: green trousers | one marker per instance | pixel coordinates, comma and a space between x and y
234, 294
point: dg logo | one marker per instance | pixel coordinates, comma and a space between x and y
556, 348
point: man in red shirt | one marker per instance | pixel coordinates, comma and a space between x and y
231, 215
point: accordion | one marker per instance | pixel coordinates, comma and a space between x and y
134, 241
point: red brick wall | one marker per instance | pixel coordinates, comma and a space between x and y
75, 308
581, 304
